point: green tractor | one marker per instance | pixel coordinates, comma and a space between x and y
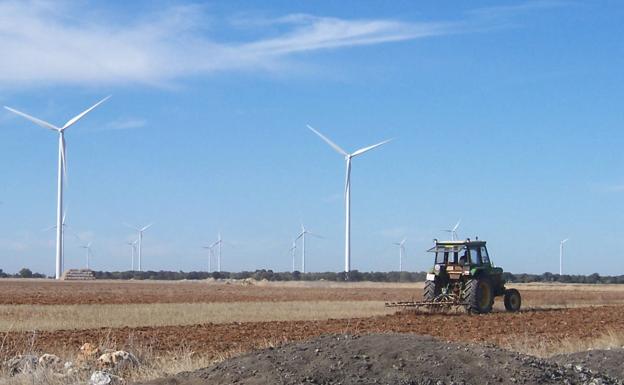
463, 275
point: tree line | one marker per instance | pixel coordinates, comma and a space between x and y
353, 276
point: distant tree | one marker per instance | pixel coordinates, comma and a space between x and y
25, 273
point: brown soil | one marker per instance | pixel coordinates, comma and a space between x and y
386, 359
48, 292
217, 340
40, 292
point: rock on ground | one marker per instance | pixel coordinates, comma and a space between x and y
386, 359
26, 363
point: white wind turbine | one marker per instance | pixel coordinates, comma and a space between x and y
64, 224
88, 248
348, 157
62, 174
140, 231
401, 246
133, 246
453, 231
561, 255
210, 253
302, 236
218, 243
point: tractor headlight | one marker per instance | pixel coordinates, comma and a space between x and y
436, 268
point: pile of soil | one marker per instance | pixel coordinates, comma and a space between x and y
387, 359
601, 361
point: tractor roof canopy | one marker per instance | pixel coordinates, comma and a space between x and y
454, 246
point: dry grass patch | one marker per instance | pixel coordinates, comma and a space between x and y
57, 317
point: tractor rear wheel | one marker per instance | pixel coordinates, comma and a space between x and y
512, 300
431, 291
479, 295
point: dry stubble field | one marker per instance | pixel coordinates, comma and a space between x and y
211, 320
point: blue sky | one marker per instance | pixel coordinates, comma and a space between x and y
507, 115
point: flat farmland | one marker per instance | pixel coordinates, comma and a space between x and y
215, 319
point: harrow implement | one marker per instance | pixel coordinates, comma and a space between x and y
441, 302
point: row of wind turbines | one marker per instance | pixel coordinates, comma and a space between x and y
62, 181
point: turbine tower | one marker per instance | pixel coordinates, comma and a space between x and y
453, 231
302, 236
133, 246
293, 251
209, 257
561, 256
64, 224
62, 174
348, 157
401, 246
140, 231
218, 243
88, 248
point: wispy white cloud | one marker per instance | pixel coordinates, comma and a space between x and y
60, 43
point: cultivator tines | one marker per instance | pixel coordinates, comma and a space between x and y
441, 302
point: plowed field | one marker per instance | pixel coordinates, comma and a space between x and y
554, 314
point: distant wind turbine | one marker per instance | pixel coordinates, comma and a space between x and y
140, 231
348, 157
209, 248
218, 243
453, 231
62, 174
561, 255
88, 248
64, 224
401, 252
302, 236
133, 246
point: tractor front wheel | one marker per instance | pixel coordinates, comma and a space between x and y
512, 300
479, 295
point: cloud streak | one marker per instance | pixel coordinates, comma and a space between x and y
60, 43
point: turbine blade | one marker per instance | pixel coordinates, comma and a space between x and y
457, 225
326, 139
79, 116
38, 122
365, 149
315, 235
147, 227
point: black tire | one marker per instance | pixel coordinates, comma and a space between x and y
431, 291
513, 301
479, 295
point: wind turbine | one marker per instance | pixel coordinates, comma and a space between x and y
140, 230
88, 248
133, 246
293, 251
218, 243
209, 257
401, 252
302, 236
561, 256
64, 228
62, 174
453, 231
348, 157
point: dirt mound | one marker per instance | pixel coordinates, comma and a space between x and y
601, 361
386, 359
